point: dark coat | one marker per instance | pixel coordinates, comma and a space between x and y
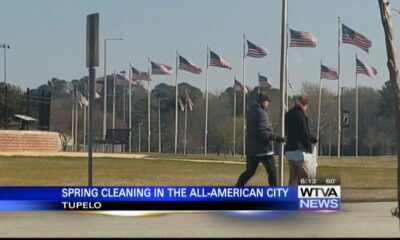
298, 136
259, 132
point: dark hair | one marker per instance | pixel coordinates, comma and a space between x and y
261, 97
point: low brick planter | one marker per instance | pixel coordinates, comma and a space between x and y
11, 140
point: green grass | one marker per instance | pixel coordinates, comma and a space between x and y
361, 179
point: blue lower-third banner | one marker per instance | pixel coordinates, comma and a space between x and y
313, 198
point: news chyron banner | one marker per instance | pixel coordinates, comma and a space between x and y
147, 198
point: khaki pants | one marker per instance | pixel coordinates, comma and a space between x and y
297, 171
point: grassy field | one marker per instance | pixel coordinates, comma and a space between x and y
362, 179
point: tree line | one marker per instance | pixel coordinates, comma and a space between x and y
376, 119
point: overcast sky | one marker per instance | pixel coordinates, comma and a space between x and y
48, 38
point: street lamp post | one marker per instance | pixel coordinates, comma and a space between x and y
140, 124
105, 82
5, 46
159, 123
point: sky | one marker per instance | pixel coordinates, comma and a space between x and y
48, 38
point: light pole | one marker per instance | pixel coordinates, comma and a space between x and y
105, 82
140, 124
5, 46
159, 122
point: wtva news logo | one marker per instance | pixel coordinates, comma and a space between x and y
319, 197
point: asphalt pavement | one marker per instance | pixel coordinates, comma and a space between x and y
354, 220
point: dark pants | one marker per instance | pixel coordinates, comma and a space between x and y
251, 167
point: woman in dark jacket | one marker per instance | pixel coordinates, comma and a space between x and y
298, 149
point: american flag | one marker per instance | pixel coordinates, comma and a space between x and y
302, 39
123, 79
181, 105
185, 65
238, 87
217, 61
189, 102
256, 51
98, 89
139, 75
82, 100
352, 37
365, 69
263, 81
329, 73
160, 69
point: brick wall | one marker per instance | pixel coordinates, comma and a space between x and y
11, 140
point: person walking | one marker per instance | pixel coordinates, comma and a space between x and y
259, 144
298, 149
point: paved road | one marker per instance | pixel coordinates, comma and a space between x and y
355, 219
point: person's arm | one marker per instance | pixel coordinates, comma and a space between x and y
263, 131
305, 133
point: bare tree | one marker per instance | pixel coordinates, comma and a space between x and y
394, 79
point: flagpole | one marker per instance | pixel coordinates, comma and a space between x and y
186, 113
234, 122
339, 113
206, 92
176, 102
356, 130
130, 109
148, 118
258, 74
76, 119
73, 119
244, 95
287, 70
123, 105
113, 119
330, 139
282, 86
319, 109
84, 120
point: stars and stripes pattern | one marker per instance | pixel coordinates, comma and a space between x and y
139, 75
217, 61
256, 51
329, 73
350, 36
122, 79
263, 81
302, 39
82, 100
160, 69
238, 87
366, 69
185, 65
189, 102
98, 89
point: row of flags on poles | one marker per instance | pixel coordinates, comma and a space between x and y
297, 39
349, 36
362, 68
